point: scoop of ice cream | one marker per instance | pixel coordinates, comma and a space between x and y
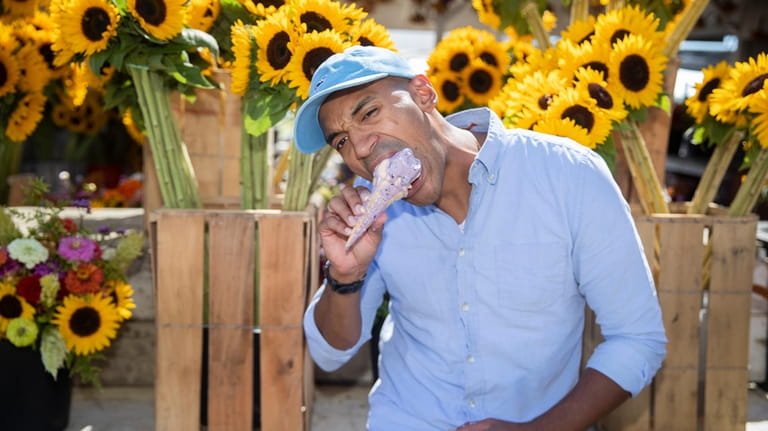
392, 179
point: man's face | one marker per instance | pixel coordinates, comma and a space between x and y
370, 123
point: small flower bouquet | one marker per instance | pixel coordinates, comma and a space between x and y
62, 288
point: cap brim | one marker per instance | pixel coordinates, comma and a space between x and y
307, 132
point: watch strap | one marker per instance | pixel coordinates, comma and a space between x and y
338, 287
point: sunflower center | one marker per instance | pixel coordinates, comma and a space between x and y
707, 89
598, 67
634, 73
451, 91
47, 53
586, 38
618, 35
601, 95
459, 62
3, 74
152, 11
315, 22
580, 115
544, 101
312, 60
489, 59
754, 85
278, 53
480, 81
364, 41
85, 321
10, 307
275, 3
94, 23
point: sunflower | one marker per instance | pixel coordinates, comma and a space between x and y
131, 127
488, 49
12, 306
572, 57
19, 8
486, 13
593, 83
202, 13
713, 77
614, 25
274, 48
26, 116
244, 48
313, 49
371, 33
450, 91
581, 108
451, 54
579, 31
121, 295
85, 26
34, 74
9, 72
481, 81
87, 323
261, 8
564, 127
320, 15
760, 122
637, 70
745, 80
529, 97
162, 19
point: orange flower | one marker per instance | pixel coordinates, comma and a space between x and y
128, 188
86, 278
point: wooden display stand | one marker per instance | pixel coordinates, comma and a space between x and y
233, 249
702, 384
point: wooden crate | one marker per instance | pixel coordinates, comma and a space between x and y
702, 384
226, 246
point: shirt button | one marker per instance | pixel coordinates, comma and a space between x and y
470, 359
465, 307
461, 252
471, 403
492, 177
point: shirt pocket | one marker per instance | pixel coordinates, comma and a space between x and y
531, 276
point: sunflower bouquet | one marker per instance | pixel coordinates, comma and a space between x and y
63, 290
274, 60
730, 108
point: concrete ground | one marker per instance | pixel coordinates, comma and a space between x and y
337, 408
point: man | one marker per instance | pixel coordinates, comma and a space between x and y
488, 262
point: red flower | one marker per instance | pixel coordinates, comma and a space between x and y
3, 256
86, 278
69, 225
29, 288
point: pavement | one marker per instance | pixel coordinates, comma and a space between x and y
337, 407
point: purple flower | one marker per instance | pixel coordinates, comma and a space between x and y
9, 267
82, 203
46, 268
77, 249
103, 230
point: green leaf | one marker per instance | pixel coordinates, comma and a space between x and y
607, 150
53, 350
194, 38
698, 136
190, 74
664, 103
265, 109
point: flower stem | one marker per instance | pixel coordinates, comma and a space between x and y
533, 18
579, 10
614, 5
641, 169
10, 158
175, 174
749, 191
683, 26
297, 189
253, 170
714, 172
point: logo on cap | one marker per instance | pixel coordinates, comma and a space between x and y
320, 82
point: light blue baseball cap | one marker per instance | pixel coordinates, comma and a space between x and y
355, 66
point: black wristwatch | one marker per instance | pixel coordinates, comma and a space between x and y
341, 288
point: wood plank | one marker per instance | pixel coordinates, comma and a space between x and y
676, 388
230, 370
633, 415
179, 313
675, 395
281, 377
282, 260
726, 399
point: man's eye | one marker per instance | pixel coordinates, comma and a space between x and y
369, 113
340, 143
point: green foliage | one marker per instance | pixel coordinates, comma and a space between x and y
510, 12
266, 106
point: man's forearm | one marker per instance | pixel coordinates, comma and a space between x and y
338, 318
594, 396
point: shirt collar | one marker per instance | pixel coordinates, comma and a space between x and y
482, 120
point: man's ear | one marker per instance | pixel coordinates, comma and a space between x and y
422, 92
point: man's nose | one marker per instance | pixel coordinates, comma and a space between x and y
362, 141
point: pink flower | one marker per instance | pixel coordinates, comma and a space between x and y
77, 249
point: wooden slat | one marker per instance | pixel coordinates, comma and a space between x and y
282, 400
679, 287
633, 415
179, 294
282, 257
230, 369
730, 298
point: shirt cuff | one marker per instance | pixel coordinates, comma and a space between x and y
631, 366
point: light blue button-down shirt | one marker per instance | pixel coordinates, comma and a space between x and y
487, 323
